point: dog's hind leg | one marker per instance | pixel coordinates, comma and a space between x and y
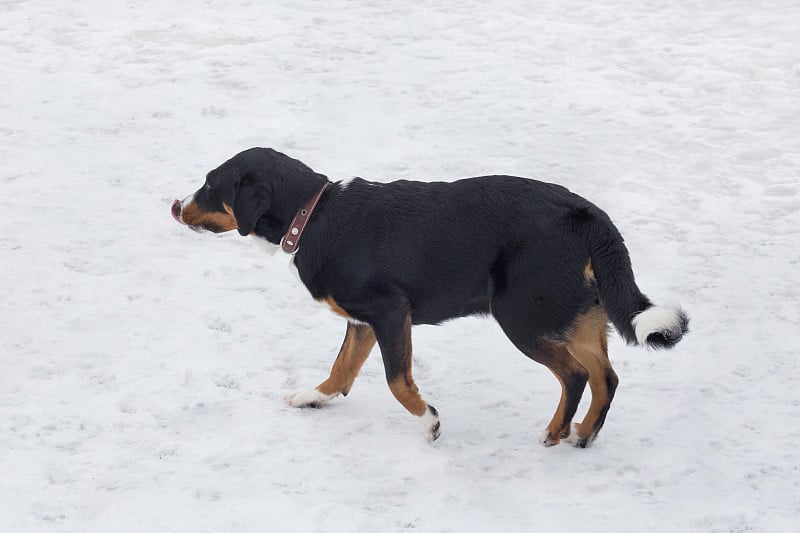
588, 344
358, 343
393, 331
572, 376
513, 316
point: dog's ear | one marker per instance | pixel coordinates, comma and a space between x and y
250, 202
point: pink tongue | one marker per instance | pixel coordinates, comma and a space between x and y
176, 213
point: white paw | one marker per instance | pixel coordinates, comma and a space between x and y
307, 398
544, 439
576, 440
573, 437
430, 424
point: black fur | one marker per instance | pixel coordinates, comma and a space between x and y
444, 250
533, 254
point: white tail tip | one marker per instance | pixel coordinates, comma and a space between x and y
660, 327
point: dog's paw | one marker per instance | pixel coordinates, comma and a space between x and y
576, 439
307, 398
551, 438
430, 424
548, 439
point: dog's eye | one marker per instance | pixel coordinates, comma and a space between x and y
207, 187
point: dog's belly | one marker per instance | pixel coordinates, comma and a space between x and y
438, 309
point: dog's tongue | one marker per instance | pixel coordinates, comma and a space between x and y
175, 210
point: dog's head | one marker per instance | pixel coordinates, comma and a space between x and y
238, 193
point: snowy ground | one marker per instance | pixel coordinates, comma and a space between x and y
142, 366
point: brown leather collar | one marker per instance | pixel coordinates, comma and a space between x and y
291, 241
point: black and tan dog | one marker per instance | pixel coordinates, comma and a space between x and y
548, 265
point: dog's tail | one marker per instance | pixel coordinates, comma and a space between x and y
635, 317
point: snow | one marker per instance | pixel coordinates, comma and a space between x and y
143, 366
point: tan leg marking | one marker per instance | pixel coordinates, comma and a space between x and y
554, 430
563, 366
402, 384
358, 343
588, 344
407, 393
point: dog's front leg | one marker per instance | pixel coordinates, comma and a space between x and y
358, 342
393, 331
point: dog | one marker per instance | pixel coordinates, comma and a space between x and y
547, 264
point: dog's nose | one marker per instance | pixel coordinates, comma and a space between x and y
176, 210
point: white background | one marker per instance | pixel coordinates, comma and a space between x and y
143, 366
